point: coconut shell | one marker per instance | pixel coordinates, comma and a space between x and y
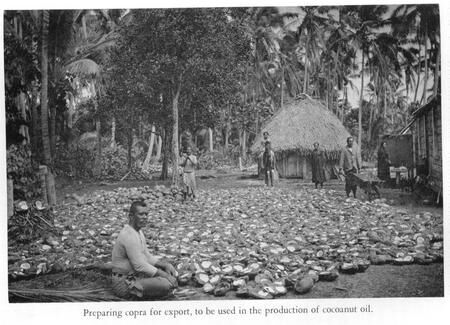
242, 292
206, 265
259, 293
221, 289
328, 276
201, 278
239, 283
403, 260
363, 265
227, 269
215, 279
348, 268
184, 278
280, 290
304, 285
208, 288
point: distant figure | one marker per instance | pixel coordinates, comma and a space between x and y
135, 272
189, 162
318, 166
350, 165
265, 138
263, 145
268, 164
383, 163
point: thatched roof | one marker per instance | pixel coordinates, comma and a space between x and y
300, 124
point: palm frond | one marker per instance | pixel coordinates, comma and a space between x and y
46, 295
83, 67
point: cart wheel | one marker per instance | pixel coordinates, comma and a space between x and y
377, 191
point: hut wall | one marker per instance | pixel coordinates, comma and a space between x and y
293, 165
427, 134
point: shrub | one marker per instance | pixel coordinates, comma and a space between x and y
23, 172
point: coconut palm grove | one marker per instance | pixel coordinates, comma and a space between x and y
223, 153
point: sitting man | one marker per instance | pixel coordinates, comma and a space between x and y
136, 273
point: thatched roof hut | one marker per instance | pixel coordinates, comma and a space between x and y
301, 123
293, 131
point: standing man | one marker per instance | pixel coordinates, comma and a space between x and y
318, 166
260, 157
268, 164
383, 163
265, 138
136, 273
189, 162
350, 165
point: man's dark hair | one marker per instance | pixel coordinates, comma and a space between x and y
135, 205
349, 138
265, 132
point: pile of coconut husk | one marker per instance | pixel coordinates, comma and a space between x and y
30, 221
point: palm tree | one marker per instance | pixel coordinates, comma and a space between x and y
363, 22
337, 61
311, 27
44, 88
421, 26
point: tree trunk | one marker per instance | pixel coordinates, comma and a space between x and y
282, 87
211, 143
175, 148
52, 130
244, 144
34, 121
146, 163
98, 154
227, 135
425, 80
42, 177
51, 191
158, 148
44, 88
328, 87
50, 186
418, 74
52, 107
34, 99
83, 25
166, 154
437, 71
130, 148
305, 81
113, 133
361, 103
369, 132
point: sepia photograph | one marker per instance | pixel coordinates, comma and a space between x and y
223, 153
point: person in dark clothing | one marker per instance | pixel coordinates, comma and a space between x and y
268, 164
350, 164
318, 166
383, 163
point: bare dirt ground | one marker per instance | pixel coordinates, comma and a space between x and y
377, 281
